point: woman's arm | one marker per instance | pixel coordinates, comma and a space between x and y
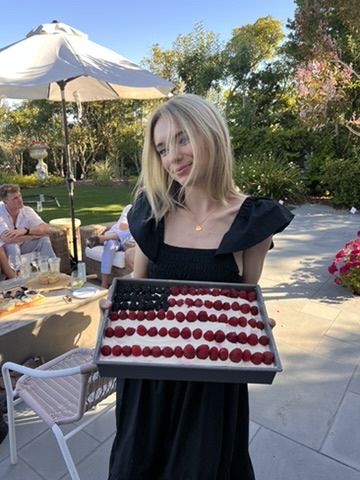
253, 261
140, 264
4, 264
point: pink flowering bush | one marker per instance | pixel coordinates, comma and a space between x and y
346, 265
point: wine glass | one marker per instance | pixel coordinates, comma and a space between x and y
15, 261
35, 257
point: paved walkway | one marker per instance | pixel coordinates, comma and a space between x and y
306, 425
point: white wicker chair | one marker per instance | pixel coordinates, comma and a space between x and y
60, 392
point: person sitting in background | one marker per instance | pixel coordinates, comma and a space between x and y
113, 241
20, 226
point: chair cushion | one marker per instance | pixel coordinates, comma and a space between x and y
96, 253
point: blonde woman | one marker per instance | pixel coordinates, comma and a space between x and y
190, 223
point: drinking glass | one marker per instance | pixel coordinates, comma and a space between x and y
15, 261
54, 264
25, 268
76, 280
35, 257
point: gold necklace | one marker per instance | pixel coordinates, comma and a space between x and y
199, 227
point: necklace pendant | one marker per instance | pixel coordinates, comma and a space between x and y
198, 228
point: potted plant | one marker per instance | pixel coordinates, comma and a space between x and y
346, 266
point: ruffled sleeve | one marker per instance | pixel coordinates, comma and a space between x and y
258, 218
143, 228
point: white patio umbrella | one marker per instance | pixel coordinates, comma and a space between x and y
57, 62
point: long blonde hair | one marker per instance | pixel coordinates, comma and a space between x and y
207, 132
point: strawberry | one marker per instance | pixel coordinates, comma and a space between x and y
263, 340
209, 335
197, 333
116, 350
184, 290
136, 350
243, 294
189, 302
174, 291
191, 316
126, 351
152, 332
244, 308
242, 322
212, 317
119, 331
106, 350
260, 325
202, 352
123, 315
180, 317
213, 354
114, 316
140, 315
233, 293
208, 303
242, 338
178, 351
256, 358
253, 339
246, 356
223, 354
141, 330
170, 315
252, 296
268, 358
171, 302
174, 332
180, 302
151, 315
109, 332
225, 292
235, 306
146, 351
222, 318
189, 351
198, 303
201, 291
235, 355
219, 336
226, 306
192, 291
254, 310
161, 314
156, 352
252, 322
163, 331
130, 331
202, 316
167, 352
215, 292
132, 315
233, 321
185, 332
232, 337
217, 304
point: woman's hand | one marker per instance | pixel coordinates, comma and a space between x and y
272, 323
104, 304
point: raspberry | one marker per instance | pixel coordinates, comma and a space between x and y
132, 315
151, 315
168, 352
223, 354
130, 331
242, 322
197, 333
253, 339
185, 332
222, 318
198, 303
219, 336
252, 322
114, 316
184, 290
263, 340
225, 292
242, 338
163, 332
136, 350
226, 306
256, 358
178, 351
202, 316
232, 337
189, 351
213, 354
209, 335
170, 315
235, 355
119, 331
268, 358
254, 310
244, 308
189, 302
161, 314
215, 292
208, 303
202, 352
235, 306
260, 325
217, 304
105, 350
212, 318
174, 291
246, 356
191, 316
152, 332
243, 294
116, 350
156, 352
140, 315
233, 293
174, 332
141, 330
126, 350
171, 302
192, 291
180, 317
252, 296
207, 291
109, 332
180, 302
146, 351
123, 315
233, 321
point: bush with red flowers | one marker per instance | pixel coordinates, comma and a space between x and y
346, 266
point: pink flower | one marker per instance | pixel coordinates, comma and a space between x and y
332, 269
346, 265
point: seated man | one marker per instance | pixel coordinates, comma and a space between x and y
113, 240
20, 226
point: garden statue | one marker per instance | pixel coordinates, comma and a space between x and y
38, 152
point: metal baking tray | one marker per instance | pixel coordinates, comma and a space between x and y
166, 369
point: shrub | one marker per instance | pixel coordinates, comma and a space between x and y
104, 172
270, 177
342, 177
32, 181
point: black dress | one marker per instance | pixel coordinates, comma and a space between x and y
172, 430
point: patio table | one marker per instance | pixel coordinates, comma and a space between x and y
40, 199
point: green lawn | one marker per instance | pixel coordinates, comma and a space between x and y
92, 204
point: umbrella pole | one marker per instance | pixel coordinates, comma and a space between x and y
69, 173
